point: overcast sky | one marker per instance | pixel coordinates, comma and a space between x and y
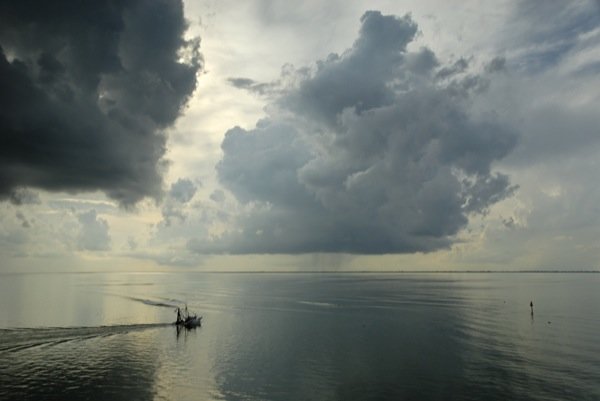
312, 135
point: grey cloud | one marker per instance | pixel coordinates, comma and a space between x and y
368, 153
481, 193
87, 90
591, 69
497, 64
360, 77
263, 164
509, 223
93, 233
183, 190
551, 49
181, 193
175, 257
170, 212
132, 243
459, 66
549, 30
555, 133
77, 204
257, 88
24, 221
422, 62
23, 196
242, 83
217, 196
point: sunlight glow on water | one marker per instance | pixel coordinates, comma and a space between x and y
300, 336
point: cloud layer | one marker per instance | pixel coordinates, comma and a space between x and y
86, 92
375, 150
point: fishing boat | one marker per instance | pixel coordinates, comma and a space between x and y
187, 320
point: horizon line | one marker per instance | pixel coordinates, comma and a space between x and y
181, 270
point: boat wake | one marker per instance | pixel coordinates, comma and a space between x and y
15, 340
318, 304
154, 303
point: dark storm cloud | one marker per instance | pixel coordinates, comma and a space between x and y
369, 153
86, 90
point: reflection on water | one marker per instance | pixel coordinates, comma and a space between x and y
300, 337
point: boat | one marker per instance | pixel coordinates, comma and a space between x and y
187, 320
191, 322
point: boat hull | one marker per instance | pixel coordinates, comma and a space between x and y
190, 323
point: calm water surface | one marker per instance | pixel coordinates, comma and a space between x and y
300, 337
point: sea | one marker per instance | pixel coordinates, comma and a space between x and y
300, 336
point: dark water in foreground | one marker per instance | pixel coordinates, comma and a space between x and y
300, 337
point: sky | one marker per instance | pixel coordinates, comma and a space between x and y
272, 135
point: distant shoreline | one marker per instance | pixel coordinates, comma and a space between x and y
312, 272
393, 271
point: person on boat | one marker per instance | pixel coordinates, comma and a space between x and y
179, 319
